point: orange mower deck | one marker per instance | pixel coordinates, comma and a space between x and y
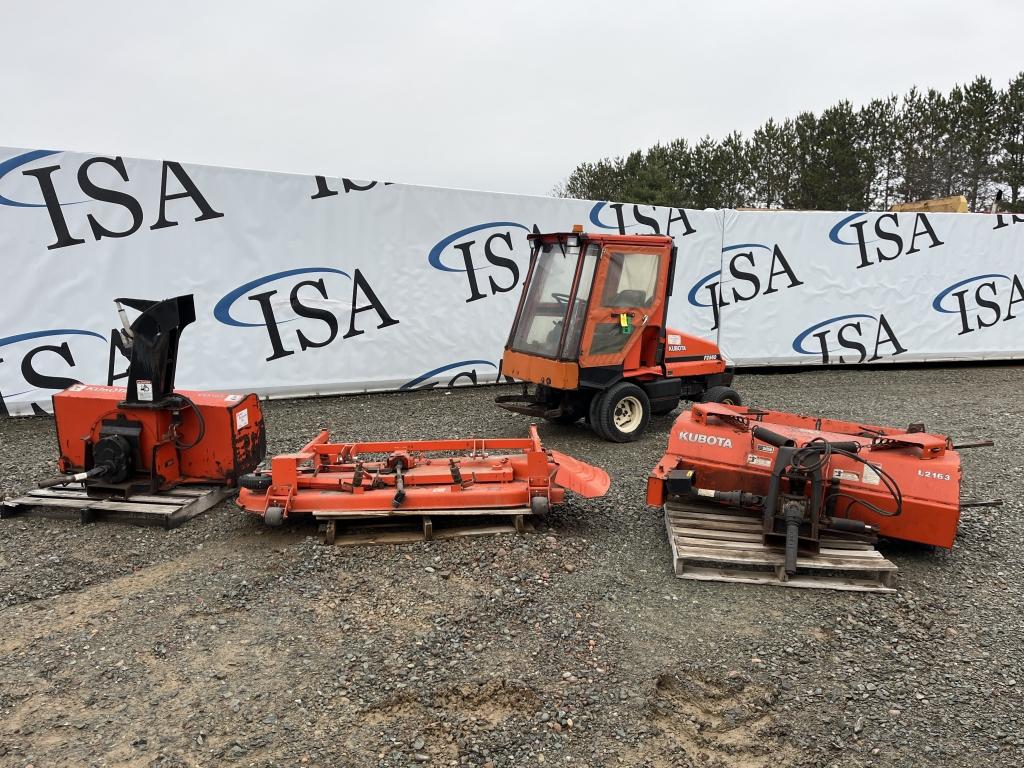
403, 477
732, 448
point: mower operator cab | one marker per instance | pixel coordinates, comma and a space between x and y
559, 296
590, 333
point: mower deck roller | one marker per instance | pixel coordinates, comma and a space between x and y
417, 477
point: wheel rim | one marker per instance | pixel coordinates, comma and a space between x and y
728, 401
628, 414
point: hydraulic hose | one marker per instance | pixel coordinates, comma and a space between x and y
78, 477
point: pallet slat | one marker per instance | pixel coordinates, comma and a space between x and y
799, 582
349, 530
687, 541
395, 513
715, 525
711, 543
776, 557
708, 533
168, 509
134, 499
411, 537
682, 512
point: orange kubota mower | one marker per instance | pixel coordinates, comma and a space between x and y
590, 334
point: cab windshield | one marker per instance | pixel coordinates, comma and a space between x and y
550, 310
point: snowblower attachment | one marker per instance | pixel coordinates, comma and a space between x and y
804, 480
149, 437
337, 481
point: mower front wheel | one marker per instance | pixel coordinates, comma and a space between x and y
621, 414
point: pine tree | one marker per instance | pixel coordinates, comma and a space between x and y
707, 176
733, 168
926, 145
770, 156
804, 185
680, 172
595, 181
978, 127
840, 176
1009, 167
946, 115
921, 137
879, 140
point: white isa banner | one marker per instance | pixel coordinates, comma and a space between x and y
316, 285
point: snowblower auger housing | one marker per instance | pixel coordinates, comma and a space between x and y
149, 437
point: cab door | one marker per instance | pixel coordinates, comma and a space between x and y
627, 307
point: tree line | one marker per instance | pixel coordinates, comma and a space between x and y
926, 144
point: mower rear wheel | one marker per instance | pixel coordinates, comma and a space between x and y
622, 413
723, 395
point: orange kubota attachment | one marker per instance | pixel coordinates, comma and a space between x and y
376, 479
732, 448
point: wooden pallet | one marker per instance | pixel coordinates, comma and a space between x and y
167, 508
713, 543
405, 527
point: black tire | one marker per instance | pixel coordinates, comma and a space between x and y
622, 413
664, 408
593, 415
723, 395
258, 483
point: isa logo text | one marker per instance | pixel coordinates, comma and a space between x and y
887, 238
488, 255
305, 308
641, 219
35, 364
981, 301
41, 179
852, 338
751, 270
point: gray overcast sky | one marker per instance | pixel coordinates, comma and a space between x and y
502, 96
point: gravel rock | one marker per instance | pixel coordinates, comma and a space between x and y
223, 641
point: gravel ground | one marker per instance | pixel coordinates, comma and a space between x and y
223, 642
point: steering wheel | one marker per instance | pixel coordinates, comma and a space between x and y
561, 298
